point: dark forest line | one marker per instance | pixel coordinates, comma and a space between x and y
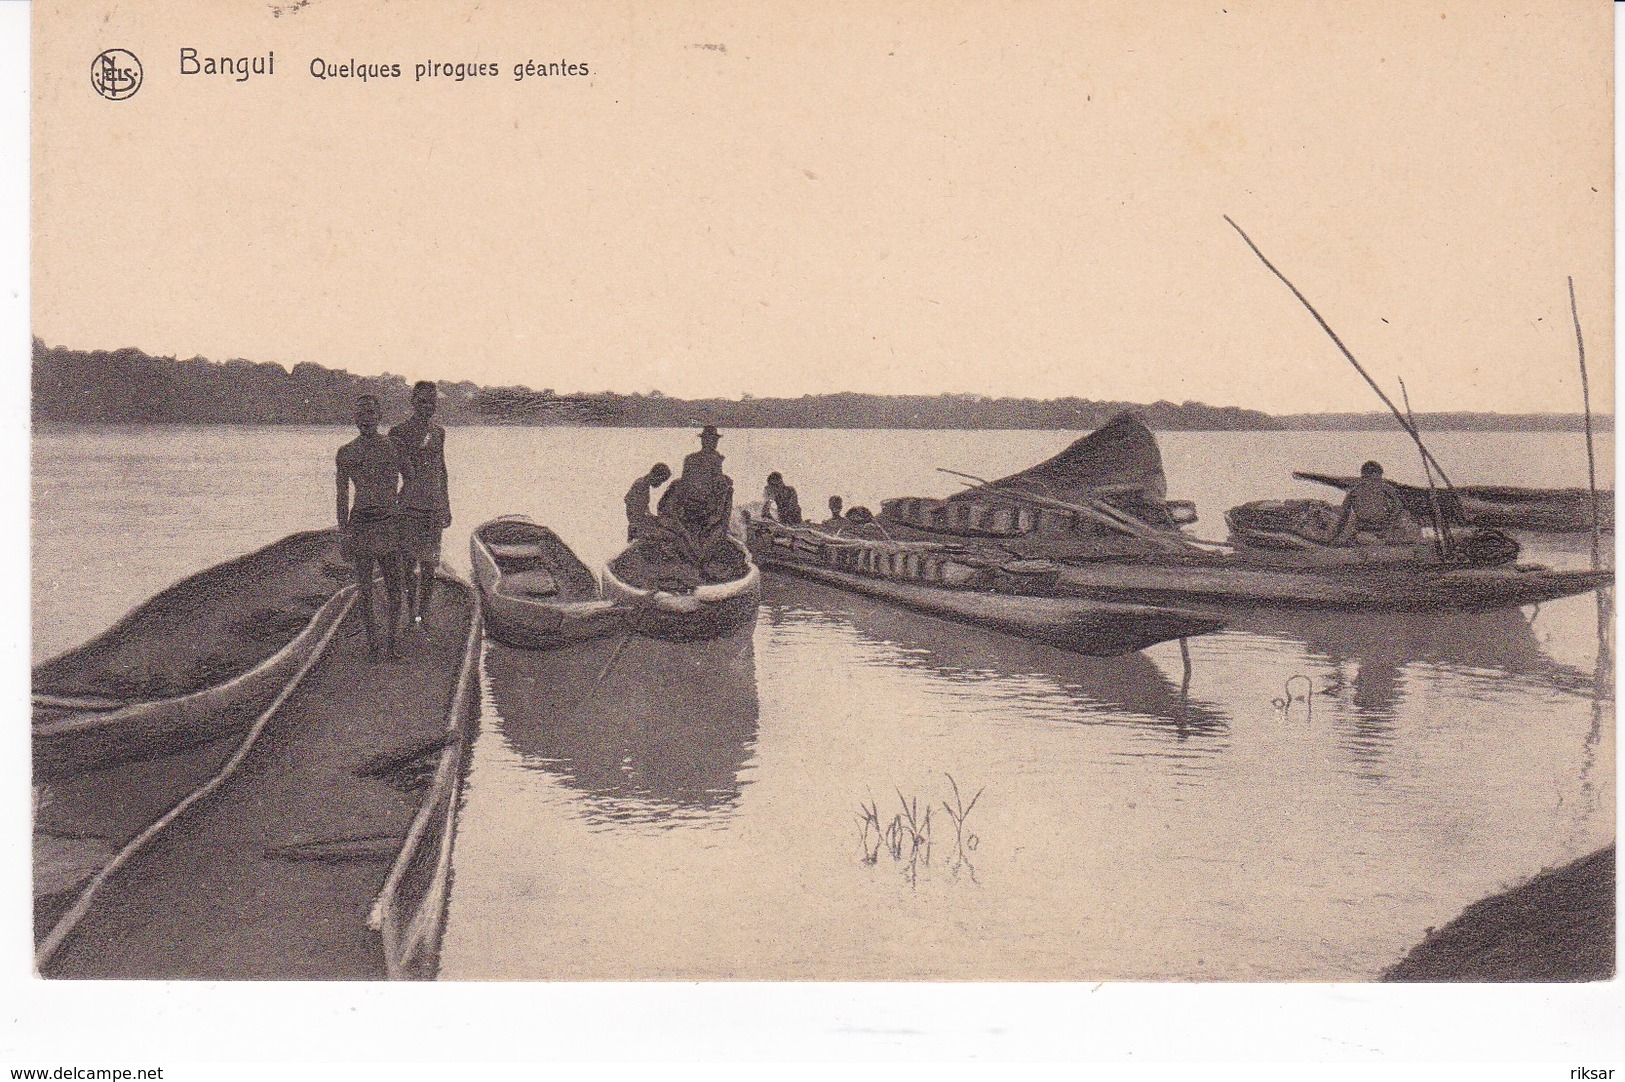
127, 386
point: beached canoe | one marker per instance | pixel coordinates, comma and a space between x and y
536, 593
194, 663
665, 609
1541, 510
1008, 597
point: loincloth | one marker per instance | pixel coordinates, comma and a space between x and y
419, 534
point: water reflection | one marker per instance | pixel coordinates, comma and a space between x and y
1380, 646
652, 732
1128, 688
1377, 657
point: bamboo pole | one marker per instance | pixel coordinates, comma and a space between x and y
1445, 548
1591, 450
1400, 417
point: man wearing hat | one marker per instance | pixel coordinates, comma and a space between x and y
697, 505
705, 461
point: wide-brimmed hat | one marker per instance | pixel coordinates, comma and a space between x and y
710, 430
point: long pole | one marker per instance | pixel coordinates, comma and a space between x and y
1400, 417
1591, 450
1446, 549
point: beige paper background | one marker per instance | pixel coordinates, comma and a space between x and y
1019, 198
146, 233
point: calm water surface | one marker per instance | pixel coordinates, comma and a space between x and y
659, 811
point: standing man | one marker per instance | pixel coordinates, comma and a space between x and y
639, 519
425, 496
371, 465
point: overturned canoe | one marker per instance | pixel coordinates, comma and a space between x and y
936, 580
1542, 510
193, 663
536, 592
665, 609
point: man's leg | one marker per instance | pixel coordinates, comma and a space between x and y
391, 566
425, 586
364, 567
410, 570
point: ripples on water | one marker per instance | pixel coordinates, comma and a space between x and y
646, 810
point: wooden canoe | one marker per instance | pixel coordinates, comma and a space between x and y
193, 663
1541, 510
1231, 582
1082, 625
534, 590
703, 612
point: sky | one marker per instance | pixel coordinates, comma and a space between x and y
995, 198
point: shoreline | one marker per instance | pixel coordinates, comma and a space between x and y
1558, 926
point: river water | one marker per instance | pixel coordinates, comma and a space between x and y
691, 812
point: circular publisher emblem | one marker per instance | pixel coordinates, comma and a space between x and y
116, 74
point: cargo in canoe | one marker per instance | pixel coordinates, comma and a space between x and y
664, 601
536, 593
1540, 510
194, 663
1103, 496
939, 580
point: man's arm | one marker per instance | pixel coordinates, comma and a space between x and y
343, 479
445, 485
1345, 519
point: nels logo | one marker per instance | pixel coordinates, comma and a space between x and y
116, 74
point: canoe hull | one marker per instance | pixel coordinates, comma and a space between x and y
1081, 625
1539, 510
1391, 588
67, 742
536, 624
709, 612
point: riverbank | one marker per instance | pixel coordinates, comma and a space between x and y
1559, 926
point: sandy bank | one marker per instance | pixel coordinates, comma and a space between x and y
1559, 926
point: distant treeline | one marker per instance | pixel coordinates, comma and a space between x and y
127, 386
1447, 422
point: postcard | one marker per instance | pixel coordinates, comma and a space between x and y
700, 492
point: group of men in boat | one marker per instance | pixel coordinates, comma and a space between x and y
393, 503
688, 527
694, 515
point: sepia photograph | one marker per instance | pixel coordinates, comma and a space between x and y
981, 493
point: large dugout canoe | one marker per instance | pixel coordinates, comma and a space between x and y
537, 594
1015, 597
1378, 578
1541, 510
195, 662
1229, 582
704, 611
1082, 625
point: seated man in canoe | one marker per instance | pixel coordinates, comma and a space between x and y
1374, 514
425, 501
370, 464
780, 501
695, 511
640, 521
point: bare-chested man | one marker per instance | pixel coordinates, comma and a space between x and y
425, 496
371, 464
